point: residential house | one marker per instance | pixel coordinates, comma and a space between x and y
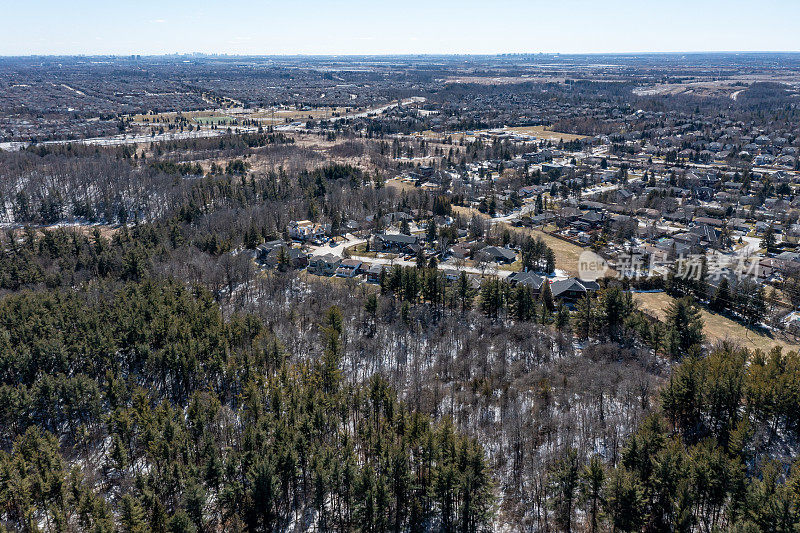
450, 275
528, 279
395, 242
497, 255
461, 251
294, 257
589, 220
303, 230
348, 268
374, 273
706, 233
263, 249
568, 290
324, 265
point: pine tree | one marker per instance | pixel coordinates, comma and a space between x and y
684, 328
550, 261
132, 516
768, 239
722, 297
523, 305
432, 232
584, 317
624, 501
464, 291
592, 479
329, 373
757, 305
562, 318
562, 486
493, 297
283, 259
546, 297
615, 307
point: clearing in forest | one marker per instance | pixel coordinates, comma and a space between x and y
717, 327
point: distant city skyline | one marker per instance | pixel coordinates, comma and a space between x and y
356, 27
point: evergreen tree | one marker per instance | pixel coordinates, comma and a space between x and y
563, 486
432, 231
684, 328
524, 305
722, 297
550, 261
615, 307
592, 479
585, 317
132, 516
562, 318
546, 297
768, 239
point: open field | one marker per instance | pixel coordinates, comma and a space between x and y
400, 184
214, 119
280, 115
264, 116
198, 117
227, 116
717, 327
542, 132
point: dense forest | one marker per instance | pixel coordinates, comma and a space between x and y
140, 406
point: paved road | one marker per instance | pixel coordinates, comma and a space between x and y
442, 266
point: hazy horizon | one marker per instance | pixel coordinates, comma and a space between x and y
357, 27
410, 55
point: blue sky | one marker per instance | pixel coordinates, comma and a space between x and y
411, 26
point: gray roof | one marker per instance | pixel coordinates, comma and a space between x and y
527, 278
375, 269
398, 238
496, 251
561, 286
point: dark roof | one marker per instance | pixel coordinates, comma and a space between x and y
709, 221
527, 278
266, 247
592, 216
399, 238
565, 285
505, 253
328, 258
704, 231
590, 285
